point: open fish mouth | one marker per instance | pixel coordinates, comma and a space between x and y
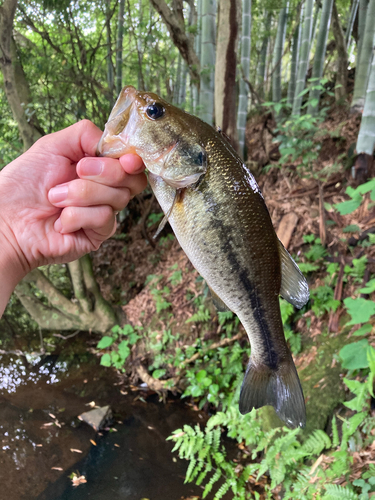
121, 125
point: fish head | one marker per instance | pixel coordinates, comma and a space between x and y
144, 124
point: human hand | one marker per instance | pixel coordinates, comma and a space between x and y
58, 202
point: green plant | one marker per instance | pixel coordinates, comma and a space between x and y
298, 135
307, 467
119, 351
356, 197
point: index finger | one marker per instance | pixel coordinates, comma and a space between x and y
74, 142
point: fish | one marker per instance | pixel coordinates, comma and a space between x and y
218, 214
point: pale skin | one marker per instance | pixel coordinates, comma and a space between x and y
58, 202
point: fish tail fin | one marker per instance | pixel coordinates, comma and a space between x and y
279, 388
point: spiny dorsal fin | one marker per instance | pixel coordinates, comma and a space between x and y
218, 303
294, 287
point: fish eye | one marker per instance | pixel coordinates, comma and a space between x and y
155, 111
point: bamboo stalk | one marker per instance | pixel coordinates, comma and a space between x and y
363, 68
320, 53
206, 97
304, 57
366, 136
245, 67
278, 52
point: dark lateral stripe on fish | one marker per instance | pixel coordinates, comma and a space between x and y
268, 345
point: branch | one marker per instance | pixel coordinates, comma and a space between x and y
56, 298
43, 34
46, 316
182, 41
162, 385
79, 288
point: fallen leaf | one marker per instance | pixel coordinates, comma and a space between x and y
92, 442
78, 480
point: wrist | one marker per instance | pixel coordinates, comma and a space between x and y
12, 268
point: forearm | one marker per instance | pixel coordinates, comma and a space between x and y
11, 272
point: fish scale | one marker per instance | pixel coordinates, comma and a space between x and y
220, 219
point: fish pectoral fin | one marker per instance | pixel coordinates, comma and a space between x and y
167, 215
294, 287
279, 388
218, 303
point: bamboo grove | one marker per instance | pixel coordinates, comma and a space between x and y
216, 59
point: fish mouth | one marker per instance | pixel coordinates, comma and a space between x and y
115, 139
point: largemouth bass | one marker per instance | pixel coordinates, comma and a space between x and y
221, 221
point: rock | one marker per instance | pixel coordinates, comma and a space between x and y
98, 418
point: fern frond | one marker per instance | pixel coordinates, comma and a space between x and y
336, 492
203, 474
224, 488
211, 482
316, 443
190, 470
196, 470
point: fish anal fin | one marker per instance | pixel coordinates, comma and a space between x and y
294, 287
218, 303
279, 388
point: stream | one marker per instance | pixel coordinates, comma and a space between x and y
43, 442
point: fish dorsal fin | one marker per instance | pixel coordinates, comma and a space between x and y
218, 303
294, 287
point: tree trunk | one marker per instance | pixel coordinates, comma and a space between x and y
303, 64
342, 56
206, 96
245, 70
183, 42
89, 311
16, 88
225, 68
278, 52
320, 53
120, 33
364, 64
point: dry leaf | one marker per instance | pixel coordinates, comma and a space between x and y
92, 442
78, 480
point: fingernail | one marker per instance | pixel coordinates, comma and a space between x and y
57, 226
91, 166
58, 194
